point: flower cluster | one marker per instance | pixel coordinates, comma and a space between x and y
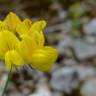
22, 42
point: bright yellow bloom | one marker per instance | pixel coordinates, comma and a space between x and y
36, 32
8, 46
24, 27
22, 42
8, 41
12, 21
43, 58
13, 57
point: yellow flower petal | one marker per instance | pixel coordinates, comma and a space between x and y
27, 46
24, 27
36, 32
12, 21
43, 59
8, 41
0, 22
13, 58
3, 26
39, 25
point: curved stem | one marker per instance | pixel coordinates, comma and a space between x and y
8, 78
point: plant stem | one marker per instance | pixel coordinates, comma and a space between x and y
7, 81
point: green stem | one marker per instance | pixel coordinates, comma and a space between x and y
8, 78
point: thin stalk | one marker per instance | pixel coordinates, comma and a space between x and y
8, 79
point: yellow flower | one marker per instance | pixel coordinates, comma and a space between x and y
12, 21
8, 41
24, 27
43, 59
8, 46
2, 26
34, 30
22, 42
13, 58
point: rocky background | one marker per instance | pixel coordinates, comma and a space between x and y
71, 29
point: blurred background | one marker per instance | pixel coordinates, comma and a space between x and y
71, 29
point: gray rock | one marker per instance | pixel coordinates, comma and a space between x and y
69, 62
84, 50
62, 14
85, 72
15, 94
68, 78
89, 88
65, 27
90, 28
42, 90
64, 46
57, 93
90, 39
64, 79
65, 42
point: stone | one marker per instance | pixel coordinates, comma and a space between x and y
69, 62
15, 94
89, 88
85, 72
64, 26
42, 90
62, 14
84, 50
65, 42
64, 46
90, 39
90, 27
57, 93
67, 79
